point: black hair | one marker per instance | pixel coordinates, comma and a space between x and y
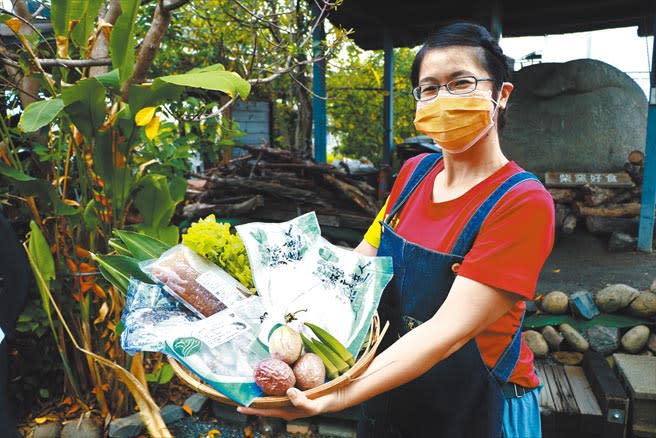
471, 35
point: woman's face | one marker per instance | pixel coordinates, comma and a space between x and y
444, 64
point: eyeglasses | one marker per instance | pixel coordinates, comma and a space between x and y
458, 86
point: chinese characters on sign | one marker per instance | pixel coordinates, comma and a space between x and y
572, 179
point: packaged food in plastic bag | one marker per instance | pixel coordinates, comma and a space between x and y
199, 284
296, 271
223, 349
149, 316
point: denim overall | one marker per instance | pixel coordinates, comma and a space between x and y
460, 396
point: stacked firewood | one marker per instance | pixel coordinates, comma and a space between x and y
605, 202
275, 185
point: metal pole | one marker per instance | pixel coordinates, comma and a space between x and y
648, 201
388, 116
319, 115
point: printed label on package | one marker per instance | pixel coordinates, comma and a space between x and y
219, 328
227, 293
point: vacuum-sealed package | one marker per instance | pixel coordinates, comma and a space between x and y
296, 271
199, 284
149, 316
223, 349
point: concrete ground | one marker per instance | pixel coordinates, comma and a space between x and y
582, 261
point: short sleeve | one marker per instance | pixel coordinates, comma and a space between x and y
514, 241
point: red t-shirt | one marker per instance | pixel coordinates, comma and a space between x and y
512, 245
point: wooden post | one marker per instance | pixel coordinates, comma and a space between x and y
384, 178
319, 116
646, 227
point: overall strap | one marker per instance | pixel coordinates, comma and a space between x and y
470, 231
506, 363
423, 168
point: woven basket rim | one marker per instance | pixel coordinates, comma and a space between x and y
361, 364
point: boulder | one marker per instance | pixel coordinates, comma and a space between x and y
195, 402
644, 306
621, 242
605, 340
81, 427
51, 429
615, 297
635, 339
536, 343
126, 427
582, 304
651, 343
553, 338
653, 286
578, 116
555, 302
574, 338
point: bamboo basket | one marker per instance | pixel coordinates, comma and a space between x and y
361, 364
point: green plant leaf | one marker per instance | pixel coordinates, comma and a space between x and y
86, 13
117, 245
85, 105
142, 246
212, 79
29, 186
157, 205
121, 42
162, 375
156, 94
110, 80
118, 269
40, 113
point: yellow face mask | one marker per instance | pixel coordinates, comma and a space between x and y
456, 123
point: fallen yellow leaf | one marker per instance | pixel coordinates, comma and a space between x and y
41, 420
187, 409
214, 433
144, 115
556, 270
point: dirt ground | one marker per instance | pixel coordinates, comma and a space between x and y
582, 261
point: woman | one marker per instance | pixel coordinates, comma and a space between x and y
469, 232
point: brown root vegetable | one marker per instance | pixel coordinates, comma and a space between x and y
309, 371
274, 376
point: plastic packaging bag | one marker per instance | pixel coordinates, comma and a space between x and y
295, 270
199, 284
223, 349
149, 315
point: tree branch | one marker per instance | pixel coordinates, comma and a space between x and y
151, 42
170, 5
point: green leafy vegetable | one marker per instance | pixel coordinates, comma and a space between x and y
214, 241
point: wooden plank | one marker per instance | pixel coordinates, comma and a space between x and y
547, 407
579, 179
553, 388
582, 391
565, 391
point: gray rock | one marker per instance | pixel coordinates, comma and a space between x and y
172, 413
605, 340
196, 402
553, 338
228, 413
555, 302
653, 286
620, 242
615, 297
126, 427
574, 338
536, 343
644, 306
531, 307
582, 304
270, 426
51, 429
635, 339
82, 427
578, 116
651, 343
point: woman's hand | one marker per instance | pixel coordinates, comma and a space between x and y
302, 406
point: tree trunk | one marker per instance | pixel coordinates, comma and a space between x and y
100, 48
